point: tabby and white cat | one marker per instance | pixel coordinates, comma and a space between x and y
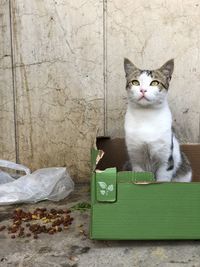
151, 143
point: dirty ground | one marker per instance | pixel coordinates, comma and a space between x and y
73, 248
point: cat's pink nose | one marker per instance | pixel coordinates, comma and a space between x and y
143, 91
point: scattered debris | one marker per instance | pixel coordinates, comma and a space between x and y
3, 259
186, 111
73, 258
75, 251
27, 224
2, 227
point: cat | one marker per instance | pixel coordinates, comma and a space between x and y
150, 139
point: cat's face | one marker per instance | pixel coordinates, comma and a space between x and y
148, 87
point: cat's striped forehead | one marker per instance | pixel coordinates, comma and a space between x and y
163, 74
146, 76
150, 73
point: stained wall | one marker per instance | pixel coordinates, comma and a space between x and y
62, 79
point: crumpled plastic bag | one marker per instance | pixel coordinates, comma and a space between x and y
48, 183
6, 177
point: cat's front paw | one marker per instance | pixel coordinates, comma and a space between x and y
162, 179
137, 169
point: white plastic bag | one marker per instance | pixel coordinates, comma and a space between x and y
6, 177
48, 183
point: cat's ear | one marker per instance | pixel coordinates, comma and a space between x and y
167, 68
129, 67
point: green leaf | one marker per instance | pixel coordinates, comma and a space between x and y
110, 187
102, 185
102, 192
82, 206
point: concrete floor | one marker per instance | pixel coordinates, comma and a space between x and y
72, 248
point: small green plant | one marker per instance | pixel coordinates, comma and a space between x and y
82, 206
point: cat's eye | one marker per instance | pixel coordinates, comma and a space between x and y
154, 83
135, 82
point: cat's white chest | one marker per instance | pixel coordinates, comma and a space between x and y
144, 126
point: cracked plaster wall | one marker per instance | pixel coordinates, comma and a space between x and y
58, 73
150, 33
67, 81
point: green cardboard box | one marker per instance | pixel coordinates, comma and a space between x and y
133, 206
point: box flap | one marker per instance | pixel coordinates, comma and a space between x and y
96, 156
106, 185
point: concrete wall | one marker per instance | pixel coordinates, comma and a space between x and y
7, 126
62, 80
150, 33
